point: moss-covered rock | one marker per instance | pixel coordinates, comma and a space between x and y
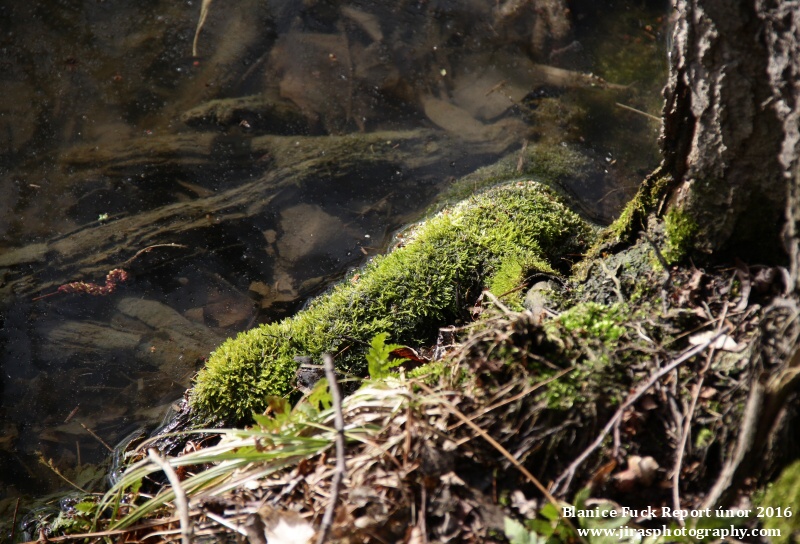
438, 270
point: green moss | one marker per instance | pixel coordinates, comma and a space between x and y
633, 216
511, 274
632, 220
439, 270
596, 320
704, 438
783, 494
681, 230
434, 372
588, 333
548, 162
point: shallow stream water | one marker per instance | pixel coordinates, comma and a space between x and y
233, 182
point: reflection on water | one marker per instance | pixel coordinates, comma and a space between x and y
232, 185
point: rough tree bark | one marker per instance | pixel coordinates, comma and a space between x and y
782, 25
731, 143
730, 122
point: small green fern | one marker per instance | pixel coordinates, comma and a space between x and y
379, 364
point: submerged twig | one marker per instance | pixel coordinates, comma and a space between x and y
113, 278
72, 413
148, 249
14, 520
521, 159
49, 464
91, 432
181, 502
640, 112
338, 423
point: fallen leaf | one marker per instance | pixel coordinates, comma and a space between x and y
723, 342
601, 476
368, 22
285, 527
641, 470
454, 120
409, 353
526, 508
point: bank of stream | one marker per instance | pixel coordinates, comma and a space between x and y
233, 185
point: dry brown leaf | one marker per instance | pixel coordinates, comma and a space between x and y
723, 342
454, 120
601, 476
641, 471
285, 526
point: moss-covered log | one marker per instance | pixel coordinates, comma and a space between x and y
429, 280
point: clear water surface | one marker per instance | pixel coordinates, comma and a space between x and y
233, 182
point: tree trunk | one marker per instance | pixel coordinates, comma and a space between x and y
731, 143
730, 135
782, 25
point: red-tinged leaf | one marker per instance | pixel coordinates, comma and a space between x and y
410, 354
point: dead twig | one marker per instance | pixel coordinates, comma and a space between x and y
49, 464
613, 277
687, 423
14, 520
147, 250
181, 501
225, 523
752, 417
91, 432
640, 112
496, 301
505, 453
338, 423
687, 427
508, 400
567, 475
764, 404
